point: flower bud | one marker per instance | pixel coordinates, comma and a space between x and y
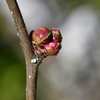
52, 48
40, 52
46, 42
30, 35
56, 35
42, 35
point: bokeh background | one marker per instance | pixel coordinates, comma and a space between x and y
72, 75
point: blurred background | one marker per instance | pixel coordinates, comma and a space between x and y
72, 75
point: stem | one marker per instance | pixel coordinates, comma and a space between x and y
27, 49
38, 63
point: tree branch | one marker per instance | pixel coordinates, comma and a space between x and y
27, 49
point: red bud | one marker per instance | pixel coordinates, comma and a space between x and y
46, 42
42, 35
56, 35
52, 48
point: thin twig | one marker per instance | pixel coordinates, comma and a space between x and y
38, 63
26, 45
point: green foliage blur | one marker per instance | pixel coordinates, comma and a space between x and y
12, 76
12, 69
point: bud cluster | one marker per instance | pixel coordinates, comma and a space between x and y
46, 42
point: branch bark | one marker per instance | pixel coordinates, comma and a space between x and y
27, 49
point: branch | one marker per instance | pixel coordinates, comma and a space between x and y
27, 49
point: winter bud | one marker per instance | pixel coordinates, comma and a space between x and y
56, 35
46, 42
